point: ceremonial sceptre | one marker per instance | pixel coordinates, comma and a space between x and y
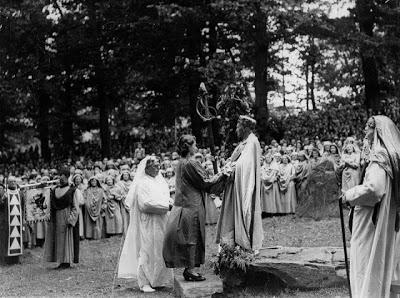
344, 244
207, 114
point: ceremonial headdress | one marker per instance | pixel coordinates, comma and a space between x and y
94, 178
386, 151
247, 121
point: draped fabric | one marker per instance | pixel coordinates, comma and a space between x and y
184, 242
124, 186
113, 215
5, 226
302, 170
141, 256
59, 244
287, 189
94, 200
374, 241
240, 220
269, 189
351, 171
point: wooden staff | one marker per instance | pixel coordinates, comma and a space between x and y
207, 117
38, 185
344, 244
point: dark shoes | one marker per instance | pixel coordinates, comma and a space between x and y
192, 277
64, 266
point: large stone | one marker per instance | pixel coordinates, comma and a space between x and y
208, 288
304, 268
320, 194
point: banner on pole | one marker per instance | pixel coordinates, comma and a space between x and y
37, 204
15, 245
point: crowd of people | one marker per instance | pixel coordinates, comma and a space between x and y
132, 196
103, 185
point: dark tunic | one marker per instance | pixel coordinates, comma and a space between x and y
184, 242
62, 241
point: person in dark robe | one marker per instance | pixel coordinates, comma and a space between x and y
61, 245
11, 223
184, 242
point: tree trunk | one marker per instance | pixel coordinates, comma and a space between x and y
102, 99
283, 90
307, 87
312, 86
104, 121
260, 69
67, 126
43, 123
365, 18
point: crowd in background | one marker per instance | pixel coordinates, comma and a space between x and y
285, 170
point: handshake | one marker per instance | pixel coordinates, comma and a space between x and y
229, 168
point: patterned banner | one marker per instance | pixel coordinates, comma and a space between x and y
37, 204
14, 223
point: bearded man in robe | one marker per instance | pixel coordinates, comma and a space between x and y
374, 244
149, 201
60, 245
240, 219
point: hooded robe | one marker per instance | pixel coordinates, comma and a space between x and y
240, 220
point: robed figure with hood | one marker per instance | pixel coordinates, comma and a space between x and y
240, 220
374, 248
149, 201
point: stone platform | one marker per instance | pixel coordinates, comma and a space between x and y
211, 287
304, 268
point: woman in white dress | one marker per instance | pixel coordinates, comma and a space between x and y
149, 202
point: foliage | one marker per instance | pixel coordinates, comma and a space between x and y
72, 65
232, 259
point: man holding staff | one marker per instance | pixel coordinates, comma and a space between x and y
376, 202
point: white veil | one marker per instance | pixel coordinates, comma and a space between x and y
140, 173
128, 261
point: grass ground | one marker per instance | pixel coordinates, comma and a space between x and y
94, 276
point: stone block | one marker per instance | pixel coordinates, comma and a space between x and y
208, 288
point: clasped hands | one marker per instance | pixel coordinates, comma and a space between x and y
229, 168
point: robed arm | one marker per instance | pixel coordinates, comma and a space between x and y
197, 176
74, 213
152, 201
372, 190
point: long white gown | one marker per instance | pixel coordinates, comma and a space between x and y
141, 255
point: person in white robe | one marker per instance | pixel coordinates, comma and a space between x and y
269, 186
286, 186
149, 201
351, 167
240, 219
375, 225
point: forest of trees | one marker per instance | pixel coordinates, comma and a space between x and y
69, 66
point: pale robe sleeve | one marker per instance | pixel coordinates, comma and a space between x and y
79, 196
371, 191
152, 201
74, 213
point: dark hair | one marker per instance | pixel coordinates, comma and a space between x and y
64, 171
184, 143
